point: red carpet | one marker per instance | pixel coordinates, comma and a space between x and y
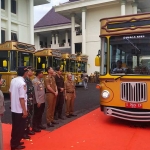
93, 131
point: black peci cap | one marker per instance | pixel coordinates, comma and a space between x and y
38, 71
21, 70
58, 68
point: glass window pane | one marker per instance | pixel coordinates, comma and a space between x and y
72, 66
25, 59
13, 6
2, 36
3, 61
13, 61
56, 62
2, 4
130, 54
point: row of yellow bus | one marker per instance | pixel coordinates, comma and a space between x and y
14, 54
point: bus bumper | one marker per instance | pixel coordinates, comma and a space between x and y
131, 115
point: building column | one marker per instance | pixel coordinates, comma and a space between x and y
84, 31
72, 33
31, 21
53, 39
123, 7
8, 37
66, 39
0, 23
134, 8
37, 41
56, 36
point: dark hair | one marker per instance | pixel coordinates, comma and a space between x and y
21, 70
57, 68
48, 68
38, 71
119, 61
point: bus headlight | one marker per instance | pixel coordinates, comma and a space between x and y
105, 94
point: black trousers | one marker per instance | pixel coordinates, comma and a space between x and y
37, 117
18, 127
59, 104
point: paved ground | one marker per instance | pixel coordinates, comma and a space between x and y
86, 101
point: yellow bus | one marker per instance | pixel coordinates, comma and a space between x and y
47, 57
12, 55
125, 67
81, 67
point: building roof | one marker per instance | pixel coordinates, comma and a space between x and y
52, 18
73, 0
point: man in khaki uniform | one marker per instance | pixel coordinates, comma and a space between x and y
2, 109
51, 96
39, 103
70, 95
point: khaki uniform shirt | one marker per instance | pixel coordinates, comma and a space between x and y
39, 90
69, 86
50, 80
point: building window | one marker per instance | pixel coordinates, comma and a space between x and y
2, 4
14, 36
13, 6
2, 36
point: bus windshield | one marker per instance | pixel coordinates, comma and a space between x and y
130, 54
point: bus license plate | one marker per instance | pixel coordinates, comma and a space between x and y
133, 105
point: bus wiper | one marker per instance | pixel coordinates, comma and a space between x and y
119, 77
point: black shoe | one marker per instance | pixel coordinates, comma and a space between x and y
36, 129
68, 116
62, 118
25, 136
31, 132
18, 147
73, 115
41, 127
50, 125
21, 143
53, 122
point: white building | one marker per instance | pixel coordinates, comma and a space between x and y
17, 22
83, 30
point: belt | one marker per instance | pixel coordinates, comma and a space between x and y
70, 92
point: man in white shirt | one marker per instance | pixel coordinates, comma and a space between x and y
18, 96
2, 109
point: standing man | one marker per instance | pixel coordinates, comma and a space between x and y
51, 95
18, 99
85, 80
60, 97
30, 97
70, 95
2, 109
39, 104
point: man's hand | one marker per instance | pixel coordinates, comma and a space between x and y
38, 105
56, 93
66, 97
25, 114
61, 89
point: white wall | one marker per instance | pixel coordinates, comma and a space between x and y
93, 30
19, 21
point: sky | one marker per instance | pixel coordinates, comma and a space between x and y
40, 11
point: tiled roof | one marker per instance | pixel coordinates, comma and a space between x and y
52, 18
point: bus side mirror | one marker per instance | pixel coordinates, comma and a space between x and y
43, 66
4, 63
97, 61
39, 59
